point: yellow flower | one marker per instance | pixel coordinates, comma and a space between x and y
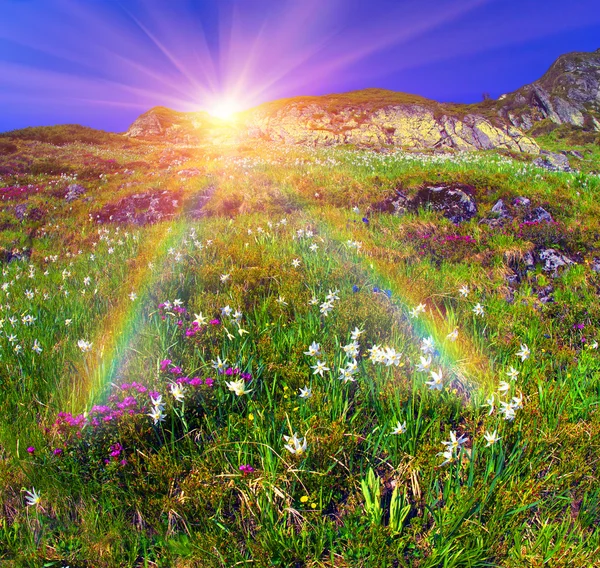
313, 505
250, 417
304, 499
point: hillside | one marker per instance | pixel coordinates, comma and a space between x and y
568, 94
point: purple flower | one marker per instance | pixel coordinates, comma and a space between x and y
246, 469
215, 321
57, 451
31, 450
209, 382
164, 364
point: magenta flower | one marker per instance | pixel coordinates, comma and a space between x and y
31, 450
246, 469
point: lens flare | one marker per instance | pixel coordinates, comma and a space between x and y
225, 109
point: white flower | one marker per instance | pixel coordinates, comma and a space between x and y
453, 335
436, 382
508, 410
238, 387
218, 364
158, 401
425, 364
68, 322
305, 392
200, 319
513, 374
32, 498
319, 368
427, 345
177, 302
503, 387
490, 402
391, 357
478, 309
420, 309
491, 438
177, 391
226, 311
326, 307
133, 296
36, 347
400, 428
224, 277
356, 333
313, 301
281, 301
351, 350
157, 414
463, 291
29, 294
455, 444
85, 346
296, 262
523, 352
314, 247
314, 350
295, 444
332, 296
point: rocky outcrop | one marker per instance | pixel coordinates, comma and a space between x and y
568, 93
414, 126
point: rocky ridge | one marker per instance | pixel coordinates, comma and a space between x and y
568, 93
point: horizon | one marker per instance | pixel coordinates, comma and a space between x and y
103, 65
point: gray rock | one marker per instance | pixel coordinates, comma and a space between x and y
500, 209
553, 260
539, 215
455, 202
596, 265
74, 191
553, 162
521, 202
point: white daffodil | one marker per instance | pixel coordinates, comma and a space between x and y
427, 345
523, 352
319, 368
218, 364
420, 309
200, 320
32, 498
425, 364
436, 382
295, 444
503, 387
478, 309
226, 311
400, 428
491, 438
238, 387
464, 291
177, 391
296, 262
490, 402
157, 414
455, 444
85, 346
453, 335
305, 392
512, 374
356, 333
314, 350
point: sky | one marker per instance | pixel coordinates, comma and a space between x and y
102, 63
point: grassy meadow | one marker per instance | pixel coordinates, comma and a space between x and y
278, 370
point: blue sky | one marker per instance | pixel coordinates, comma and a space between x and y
103, 62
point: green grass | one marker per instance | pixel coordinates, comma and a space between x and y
279, 230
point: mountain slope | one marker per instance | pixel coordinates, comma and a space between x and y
568, 93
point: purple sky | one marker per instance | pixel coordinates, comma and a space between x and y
101, 63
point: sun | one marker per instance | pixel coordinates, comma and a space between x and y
225, 109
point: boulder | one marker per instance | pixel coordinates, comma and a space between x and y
456, 202
553, 162
553, 260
